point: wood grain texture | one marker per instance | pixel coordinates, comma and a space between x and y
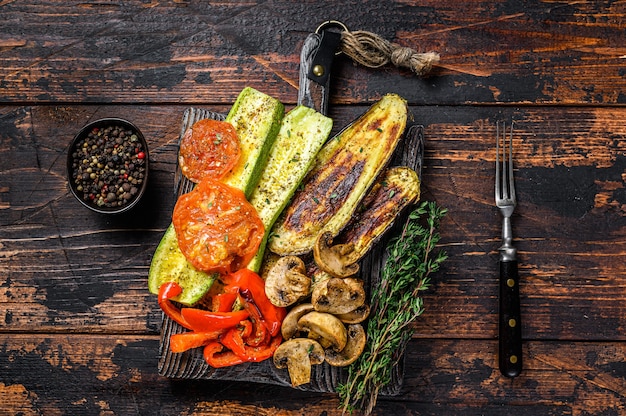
117, 375
79, 332
529, 51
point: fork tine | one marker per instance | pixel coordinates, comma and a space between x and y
511, 183
505, 188
498, 190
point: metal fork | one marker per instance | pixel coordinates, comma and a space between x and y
510, 328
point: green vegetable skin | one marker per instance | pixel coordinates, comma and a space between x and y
301, 136
257, 118
170, 265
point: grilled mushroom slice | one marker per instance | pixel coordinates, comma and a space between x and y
326, 329
289, 327
353, 349
298, 355
286, 282
356, 316
338, 296
269, 260
339, 260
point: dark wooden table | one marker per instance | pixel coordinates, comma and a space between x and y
79, 332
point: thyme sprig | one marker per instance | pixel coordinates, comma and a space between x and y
396, 303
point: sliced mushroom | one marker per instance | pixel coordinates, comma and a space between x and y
289, 327
269, 260
326, 329
298, 355
286, 282
339, 260
356, 316
353, 349
318, 276
338, 296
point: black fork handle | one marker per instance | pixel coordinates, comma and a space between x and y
510, 325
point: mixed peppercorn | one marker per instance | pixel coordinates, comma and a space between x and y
109, 166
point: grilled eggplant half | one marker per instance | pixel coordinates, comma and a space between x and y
344, 169
396, 188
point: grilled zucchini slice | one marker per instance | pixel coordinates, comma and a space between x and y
343, 171
257, 118
301, 136
170, 265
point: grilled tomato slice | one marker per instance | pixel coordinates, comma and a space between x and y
216, 227
210, 148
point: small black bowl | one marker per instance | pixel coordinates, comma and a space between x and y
108, 165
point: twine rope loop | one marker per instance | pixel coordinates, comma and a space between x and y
373, 51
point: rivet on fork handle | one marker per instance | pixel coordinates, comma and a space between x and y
510, 328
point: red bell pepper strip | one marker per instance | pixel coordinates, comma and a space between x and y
169, 291
245, 279
216, 357
233, 281
246, 328
223, 302
188, 340
260, 334
263, 352
233, 340
205, 321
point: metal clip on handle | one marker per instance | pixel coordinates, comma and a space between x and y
316, 59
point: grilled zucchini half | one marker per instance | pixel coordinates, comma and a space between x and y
343, 171
169, 264
301, 136
257, 119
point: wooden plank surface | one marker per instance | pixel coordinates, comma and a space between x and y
529, 51
79, 332
116, 375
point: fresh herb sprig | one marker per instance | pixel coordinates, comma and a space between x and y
396, 303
